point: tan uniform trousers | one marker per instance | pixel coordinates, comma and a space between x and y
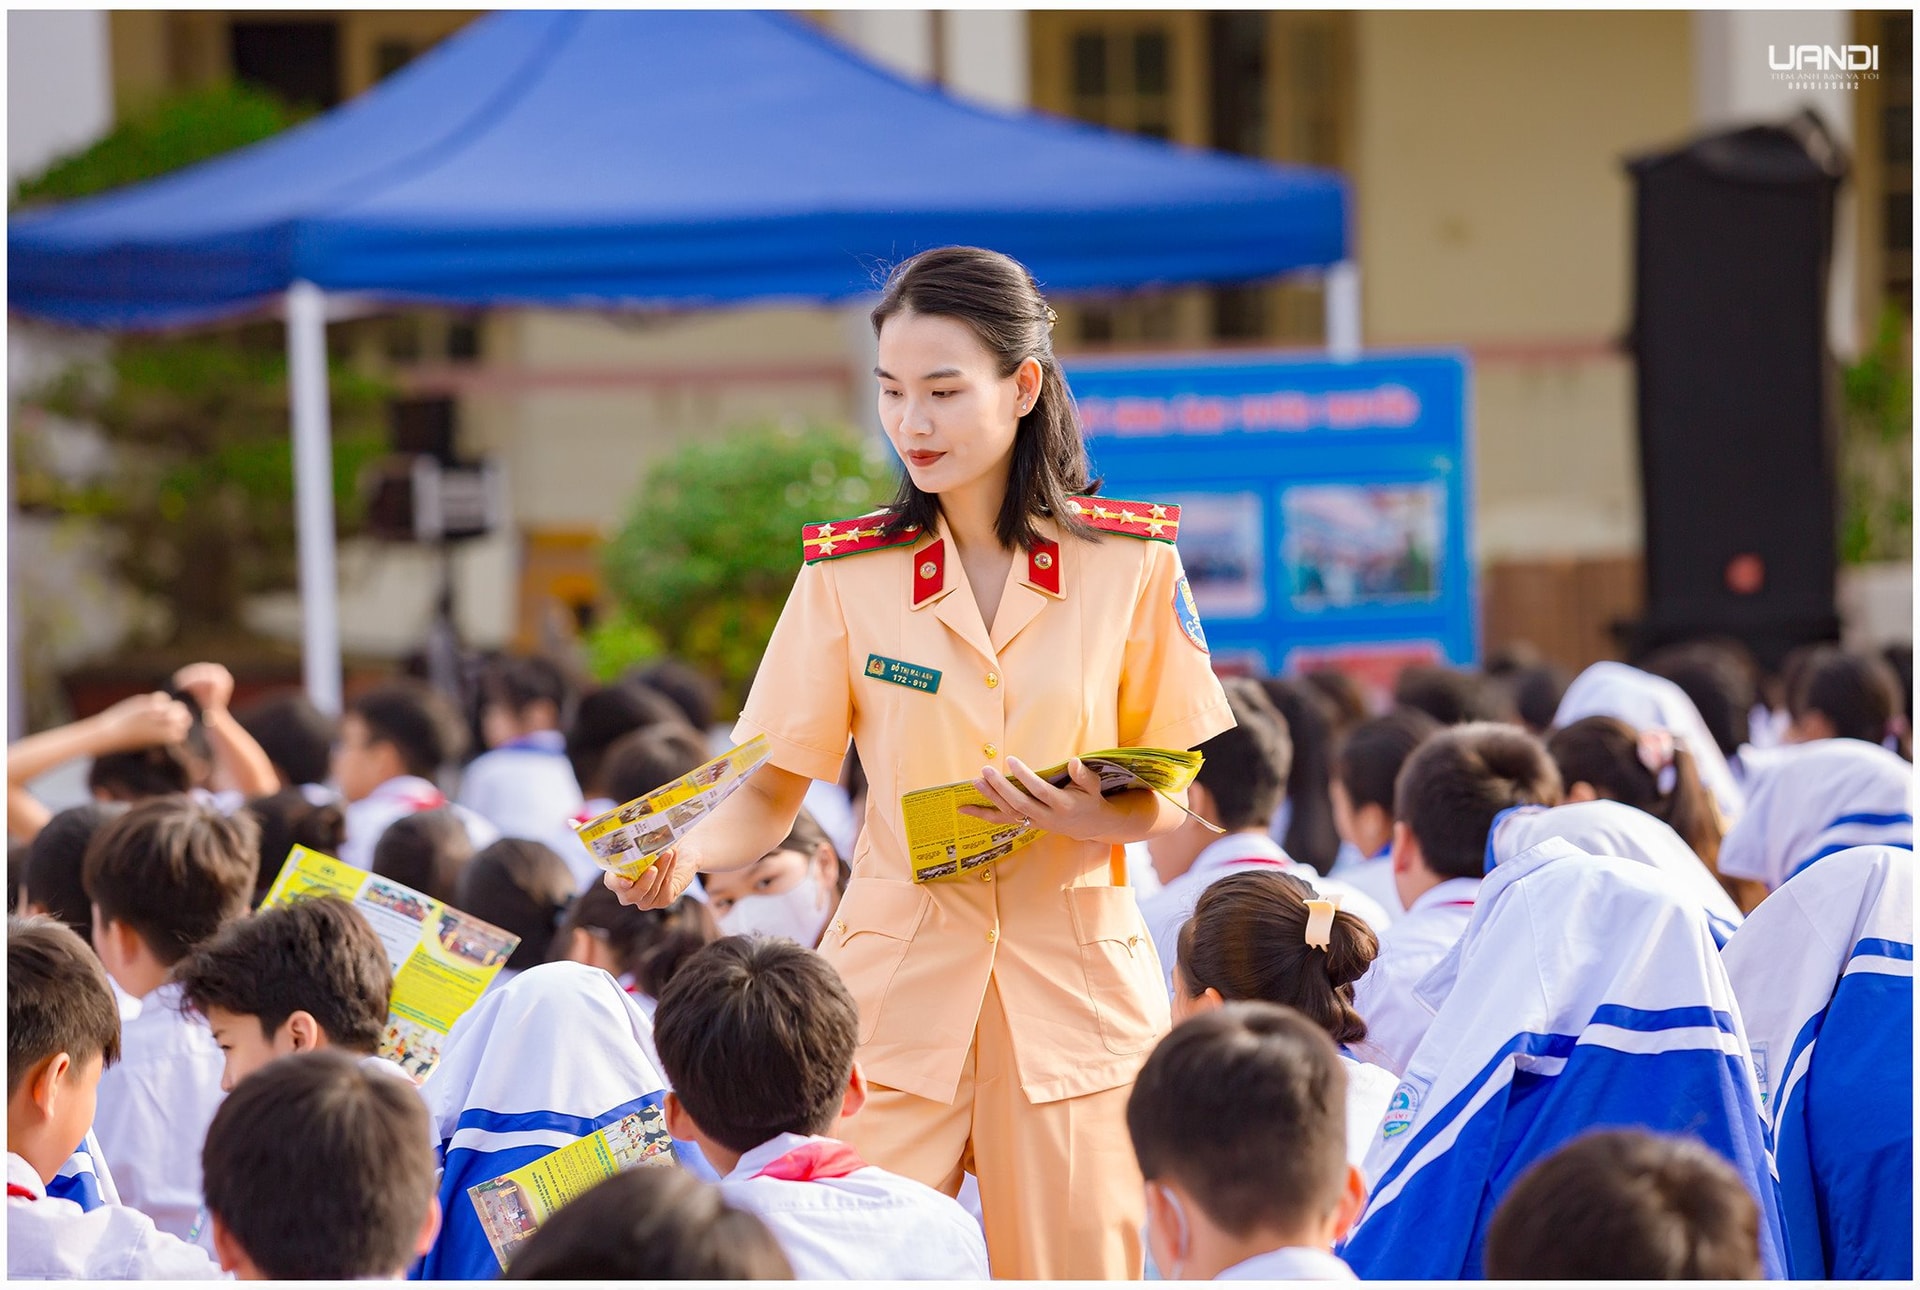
1059, 1187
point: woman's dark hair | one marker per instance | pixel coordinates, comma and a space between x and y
1605, 752
1858, 694
1311, 836
998, 299
1248, 940
651, 944
521, 887
288, 819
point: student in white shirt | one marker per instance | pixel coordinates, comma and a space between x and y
164, 877
1648, 702
1365, 767
320, 1169
523, 783
293, 979
1239, 785
393, 741
1812, 800
1445, 803
651, 1225
639, 948
1238, 1119
63, 1028
757, 1037
1264, 937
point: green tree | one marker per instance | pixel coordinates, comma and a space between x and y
197, 491
1876, 449
711, 544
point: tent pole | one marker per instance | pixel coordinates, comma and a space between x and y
1343, 311
313, 493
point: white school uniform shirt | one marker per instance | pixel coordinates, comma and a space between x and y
1604, 828
1294, 1263
399, 797
49, 1239
1369, 1090
1167, 910
1371, 876
1645, 702
1396, 1017
522, 787
154, 1108
867, 1225
1808, 801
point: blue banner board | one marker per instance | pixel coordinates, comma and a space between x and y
1326, 506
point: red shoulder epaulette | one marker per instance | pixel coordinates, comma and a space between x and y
1134, 519
837, 538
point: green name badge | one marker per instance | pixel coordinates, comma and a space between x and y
924, 679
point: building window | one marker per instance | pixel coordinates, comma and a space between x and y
1124, 81
298, 61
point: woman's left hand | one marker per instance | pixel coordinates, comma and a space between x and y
1076, 811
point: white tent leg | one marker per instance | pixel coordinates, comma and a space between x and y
313, 493
1343, 311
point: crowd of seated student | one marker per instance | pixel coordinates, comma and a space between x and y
1313, 1014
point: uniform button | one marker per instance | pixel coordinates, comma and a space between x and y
993, 934
993, 679
987, 876
990, 750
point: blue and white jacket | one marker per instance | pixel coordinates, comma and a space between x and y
1823, 970
85, 1179
1603, 828
556, 1054
1807, 801
1585, 993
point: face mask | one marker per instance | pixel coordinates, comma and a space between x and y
799, 914
1178, 1248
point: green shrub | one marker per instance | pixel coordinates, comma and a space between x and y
711, 545
1876, 450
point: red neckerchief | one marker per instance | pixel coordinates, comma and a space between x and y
813, 1162
24, 1193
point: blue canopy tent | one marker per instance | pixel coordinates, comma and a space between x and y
646, 160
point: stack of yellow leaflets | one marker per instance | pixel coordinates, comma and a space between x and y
628, 839
512, 1206
945, 843
442, 959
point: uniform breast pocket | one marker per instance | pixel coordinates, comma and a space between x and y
1124, 980
868, 939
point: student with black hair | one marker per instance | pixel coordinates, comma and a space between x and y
163, 877
1239, 785
1238, 1120
318, 1168
1449, 695
54, 882
691, 690
427, 851
293, 979
757, 1038
651, 1225
296, 736
1303, 818
145, 721
1445, 801
289, 818
393, 741
63, 1031
1626, 1205
521, 887
1365, 766
1839, 694
791, 891
639, 948
523, 783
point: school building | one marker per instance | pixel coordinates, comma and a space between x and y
1486, 155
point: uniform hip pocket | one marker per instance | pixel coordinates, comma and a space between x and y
1124, 980
868, 938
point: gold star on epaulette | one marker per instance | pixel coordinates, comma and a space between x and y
839, 538
1151, 521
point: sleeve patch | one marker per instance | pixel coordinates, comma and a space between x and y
1189, 615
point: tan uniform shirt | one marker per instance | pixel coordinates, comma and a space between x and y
1088, 654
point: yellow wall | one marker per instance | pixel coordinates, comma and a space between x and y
1494, 213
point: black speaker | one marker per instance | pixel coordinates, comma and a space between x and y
1738, 396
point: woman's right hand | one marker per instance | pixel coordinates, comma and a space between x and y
662, 884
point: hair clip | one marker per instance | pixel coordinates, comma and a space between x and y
1320, 912
1052, 317
1655, 750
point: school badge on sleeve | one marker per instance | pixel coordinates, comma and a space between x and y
1189, 614
1402, 1107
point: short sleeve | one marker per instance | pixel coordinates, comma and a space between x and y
800, 699
1169, 696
